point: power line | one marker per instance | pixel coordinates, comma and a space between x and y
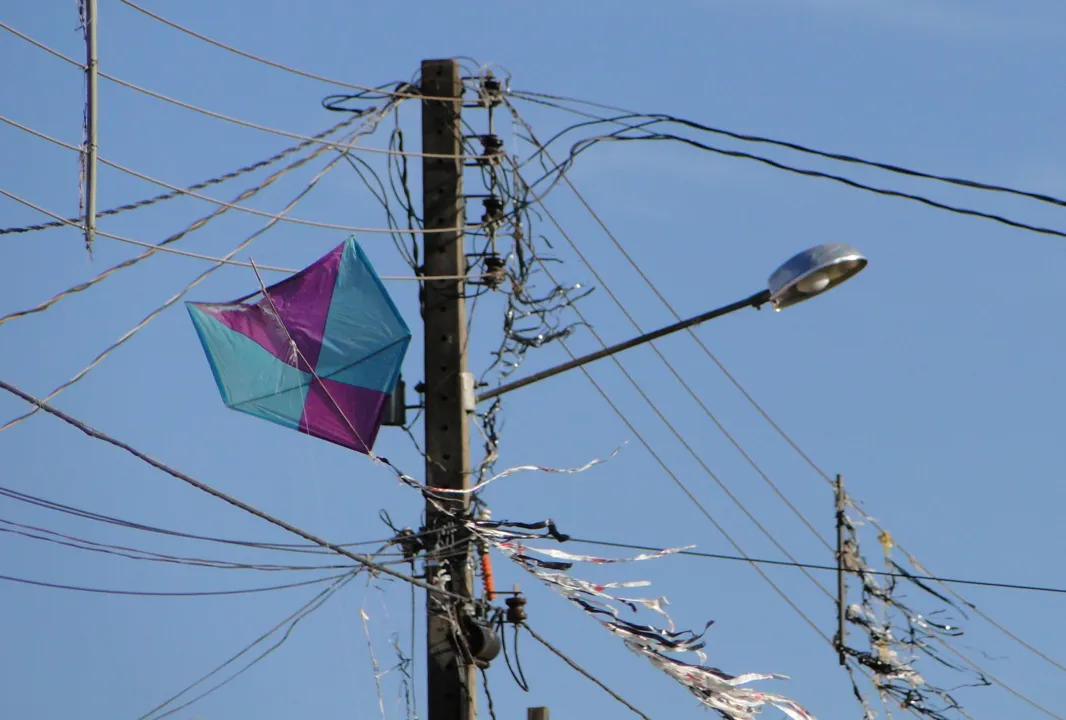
176, 193
543, 99
1001, 219
168, 241
138, 243
562, 656
201, 256
40, 534
833, 568
692, 393
235, 502
583, 145
687, 446
144, 593
220, 116
289, 623
174, 298
564, 177
684, 488
111, 520
394, 93
763, 412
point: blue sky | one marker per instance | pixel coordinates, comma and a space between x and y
932, 381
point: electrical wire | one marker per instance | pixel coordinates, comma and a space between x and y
233, 174
198, 224
887, 192
684, 488
274, 64
543, 99
235, 502
689, 448
144, 593
176, 191
573, 664
488, 693
33, 532
111, 520
651, 136
211, 258
220, 116
289, 624
795, 446
833, 568
662, 298
677, 375
174, 298
996, 680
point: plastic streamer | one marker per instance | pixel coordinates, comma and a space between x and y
900, 636
715, 688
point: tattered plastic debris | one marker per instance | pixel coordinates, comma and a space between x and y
900, 636
714, 688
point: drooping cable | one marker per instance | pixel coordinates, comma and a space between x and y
174, 298
176, 192
81, 287
832, 568
544, 99
166, 593
757, 406
573, 664
204, 487
286, 627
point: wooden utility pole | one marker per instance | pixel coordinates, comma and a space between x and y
451, 677
537, 713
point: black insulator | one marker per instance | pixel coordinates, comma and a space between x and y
493, 206
495, 271
516, 609
409, 544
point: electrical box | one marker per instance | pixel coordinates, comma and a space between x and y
394, 414
469, 396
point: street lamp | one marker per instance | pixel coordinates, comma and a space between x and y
813, 272
805, 275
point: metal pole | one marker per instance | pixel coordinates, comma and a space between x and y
841, 588
755, 300
452, 689
91, 63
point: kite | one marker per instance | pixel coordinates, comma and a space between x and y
320, 352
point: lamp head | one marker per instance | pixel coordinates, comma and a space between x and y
813, 272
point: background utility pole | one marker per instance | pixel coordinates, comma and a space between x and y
89, 158
841, 507
451, 678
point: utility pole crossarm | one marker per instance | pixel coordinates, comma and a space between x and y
452, 688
